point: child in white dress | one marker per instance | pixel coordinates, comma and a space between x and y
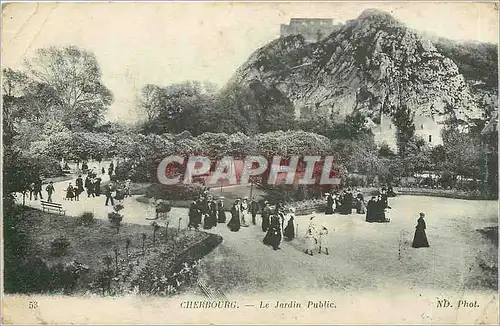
323, 239
310, 241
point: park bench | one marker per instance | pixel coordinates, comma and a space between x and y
53, 206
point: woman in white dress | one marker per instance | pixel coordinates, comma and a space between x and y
311, 237
151, 210
244, 212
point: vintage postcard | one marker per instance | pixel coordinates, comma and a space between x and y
250, 162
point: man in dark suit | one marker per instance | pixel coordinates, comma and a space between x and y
107, 191
254, 208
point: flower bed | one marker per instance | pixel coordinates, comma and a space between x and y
170, 269
98, 259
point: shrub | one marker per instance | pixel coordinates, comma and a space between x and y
86, 219
115, 218
49, 167
156, 280
65, 276
355, 181
289, 193
31, 276
174, 192
35, 276
135, 170
59, 247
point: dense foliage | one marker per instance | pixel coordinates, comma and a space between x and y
477, 61
197, 108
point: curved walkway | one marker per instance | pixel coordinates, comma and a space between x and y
363, 256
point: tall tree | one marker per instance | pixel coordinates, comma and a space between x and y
151, 100
13, 85
69, 81
177, 107
405, 128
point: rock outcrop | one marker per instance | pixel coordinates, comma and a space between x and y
373, 64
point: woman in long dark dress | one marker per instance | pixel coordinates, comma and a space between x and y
347, 203
289, 231
370, 209
234, 223
210, 220
266, 213
221, 213
329, 204
70, 192
273, 235
79, 186
193, 215
420, 238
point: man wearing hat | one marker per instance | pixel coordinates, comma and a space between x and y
50, 190
254, 208
221, 213
266, 213
329, 204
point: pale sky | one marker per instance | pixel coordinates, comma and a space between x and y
165, 43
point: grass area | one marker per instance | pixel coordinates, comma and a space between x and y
90, 245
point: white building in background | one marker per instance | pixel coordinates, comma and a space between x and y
428, 129
425, 127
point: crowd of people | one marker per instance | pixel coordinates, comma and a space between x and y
278, 223
347, 200
206, 212
91, 185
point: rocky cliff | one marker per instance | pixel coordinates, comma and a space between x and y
372, 64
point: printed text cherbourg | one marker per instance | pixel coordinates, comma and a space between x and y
292, 304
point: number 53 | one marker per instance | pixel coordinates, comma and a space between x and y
33, 305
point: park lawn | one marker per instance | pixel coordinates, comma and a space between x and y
90, 244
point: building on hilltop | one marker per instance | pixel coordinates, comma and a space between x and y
425, 127
312, 29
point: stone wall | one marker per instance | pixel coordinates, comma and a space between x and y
312, 29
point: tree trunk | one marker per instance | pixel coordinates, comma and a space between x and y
116, 259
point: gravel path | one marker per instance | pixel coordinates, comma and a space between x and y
363, 256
